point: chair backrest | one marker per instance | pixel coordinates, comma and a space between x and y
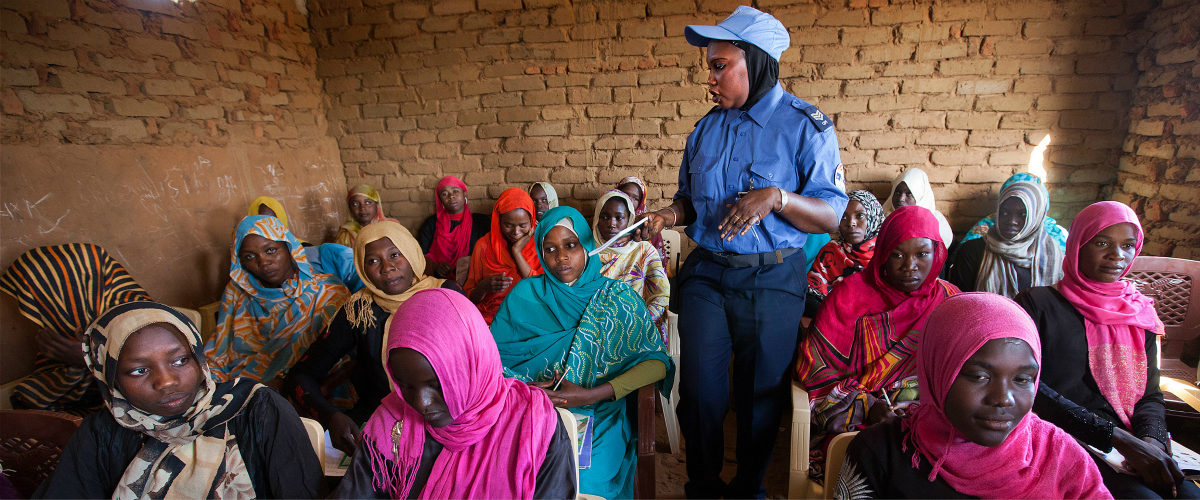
1172, 283
208, 319
31, 443
192, 315
316, 436
834, 459
572, 425
673, 245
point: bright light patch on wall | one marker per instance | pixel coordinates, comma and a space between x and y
1037, 157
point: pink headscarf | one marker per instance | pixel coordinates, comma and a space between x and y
501, 427
449, 246
1037, 459
1116, 315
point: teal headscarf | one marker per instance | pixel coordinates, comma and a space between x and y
595, 329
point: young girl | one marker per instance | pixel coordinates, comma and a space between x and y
544, 198
594, 335
364, 204
1102, 385
453, 426
972, 434
506, 256
274, 305
171, 431
637, 263
448, 236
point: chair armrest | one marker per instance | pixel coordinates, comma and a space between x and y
798, 486
1186, 392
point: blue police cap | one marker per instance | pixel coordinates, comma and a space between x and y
746, 24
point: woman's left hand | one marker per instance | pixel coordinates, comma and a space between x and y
749, 210
570, 394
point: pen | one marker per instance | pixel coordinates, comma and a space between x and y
561, 379
888, 400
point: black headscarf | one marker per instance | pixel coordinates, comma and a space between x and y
762, 69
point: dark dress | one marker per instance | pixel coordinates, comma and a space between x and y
272, 440
964, 269
1069, 397
480, 225
368, 377
555, 479
876, 466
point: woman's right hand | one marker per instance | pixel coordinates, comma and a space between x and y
879, 412
496, 283
67, 350
1149, 460
343, 433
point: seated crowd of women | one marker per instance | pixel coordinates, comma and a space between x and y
437, 361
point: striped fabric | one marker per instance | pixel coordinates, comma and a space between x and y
261, 332
63, 289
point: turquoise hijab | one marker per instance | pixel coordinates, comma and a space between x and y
594, 330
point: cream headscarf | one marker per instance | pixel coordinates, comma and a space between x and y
629, 205
358, 310
918, 184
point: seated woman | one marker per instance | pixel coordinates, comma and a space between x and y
588, 341
636, 190
1102, 386
912, 187
505, 256
1017, 252
861, 343
852, 251
62, 289
390, 263
544, 197
328, 258
636, 263
274, 305
448, 236
453, 426
981, 228
364, 205
972, 434
170, 430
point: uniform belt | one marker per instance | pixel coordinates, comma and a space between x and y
751, 259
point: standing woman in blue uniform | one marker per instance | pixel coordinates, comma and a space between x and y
760, 172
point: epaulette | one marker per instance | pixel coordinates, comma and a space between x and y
819, 119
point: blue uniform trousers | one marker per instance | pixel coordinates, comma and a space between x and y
751, 314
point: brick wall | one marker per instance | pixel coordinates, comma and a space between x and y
505, 92
1158, 172
146, 127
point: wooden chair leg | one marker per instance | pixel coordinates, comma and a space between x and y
645, 483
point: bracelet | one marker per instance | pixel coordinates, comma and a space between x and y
783, 199
675, 215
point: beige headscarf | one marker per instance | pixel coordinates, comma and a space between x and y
358, 310
918, 184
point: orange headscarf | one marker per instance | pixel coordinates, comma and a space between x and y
491, 255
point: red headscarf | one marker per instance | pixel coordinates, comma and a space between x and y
491, 255
868, 293
451, 245
501, 427
1037, 459
1115, 315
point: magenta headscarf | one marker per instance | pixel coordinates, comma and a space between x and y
1037, 460
497, 441
449, 246
1116, 315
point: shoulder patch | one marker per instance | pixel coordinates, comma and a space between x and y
818, 118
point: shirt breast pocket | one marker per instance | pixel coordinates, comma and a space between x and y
702, 171
773, 171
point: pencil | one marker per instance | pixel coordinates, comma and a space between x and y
561, 379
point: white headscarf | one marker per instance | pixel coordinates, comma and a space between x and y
918, 184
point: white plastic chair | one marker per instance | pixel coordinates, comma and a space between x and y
316, 436
670, 404
674, 246
572, 425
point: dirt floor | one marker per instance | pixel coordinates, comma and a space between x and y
671, 469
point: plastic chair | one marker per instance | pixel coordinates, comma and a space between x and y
645, 484
191, 314
316, 436
31, 443
835, 459
208, 319
1172, 283
799, 485
672, 243
670, 404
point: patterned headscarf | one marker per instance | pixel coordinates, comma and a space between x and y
873, 211
193, 455
1031, 249
262, 331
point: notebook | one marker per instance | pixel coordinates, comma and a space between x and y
1188, 460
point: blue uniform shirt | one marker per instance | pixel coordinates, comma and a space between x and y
781, 141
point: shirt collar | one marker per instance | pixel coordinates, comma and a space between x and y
764, 108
